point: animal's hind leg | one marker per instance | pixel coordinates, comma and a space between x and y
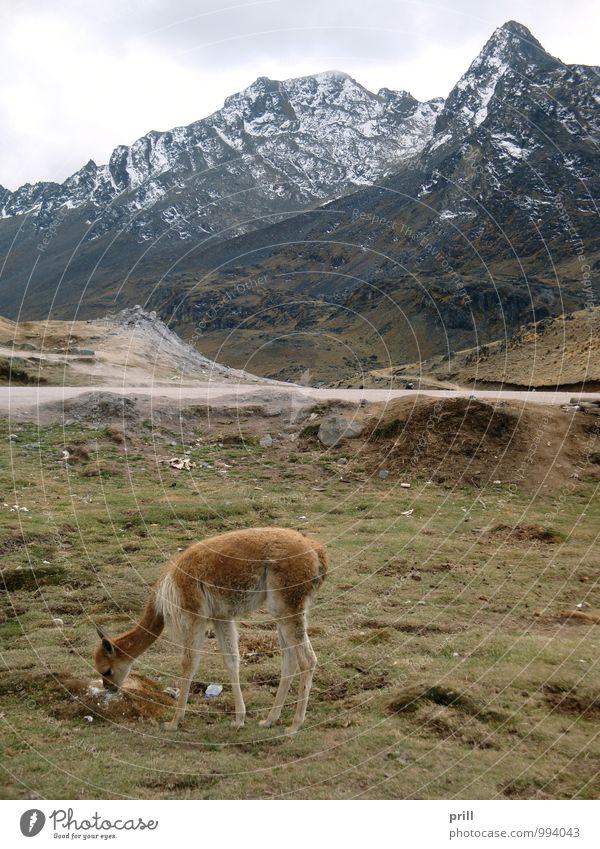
288, 667
192, 636
228, 643
294, 629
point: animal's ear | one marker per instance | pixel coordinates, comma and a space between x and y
107, 646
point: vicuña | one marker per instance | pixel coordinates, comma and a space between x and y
215, 581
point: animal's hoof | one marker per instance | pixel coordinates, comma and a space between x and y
265, 723
291, 731
237, 724
169, 726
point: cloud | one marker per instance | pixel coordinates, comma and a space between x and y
78, 79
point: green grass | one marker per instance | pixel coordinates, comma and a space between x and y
441, 647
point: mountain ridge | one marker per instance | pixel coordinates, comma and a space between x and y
470, 231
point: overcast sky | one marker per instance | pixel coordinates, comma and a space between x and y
78, 78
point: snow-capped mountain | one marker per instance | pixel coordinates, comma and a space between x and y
470, 215
276, 146
493, 225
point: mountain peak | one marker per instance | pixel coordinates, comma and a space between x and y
511, 49
513, 43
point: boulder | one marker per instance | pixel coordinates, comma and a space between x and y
335, 428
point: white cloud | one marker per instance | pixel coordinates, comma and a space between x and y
78, 79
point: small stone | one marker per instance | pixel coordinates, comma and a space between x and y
88, 718
172, 691
266, 441
405, 485
58, 622
384, 474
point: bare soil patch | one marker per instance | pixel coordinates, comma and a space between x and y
572, 700
525, 533
460, 440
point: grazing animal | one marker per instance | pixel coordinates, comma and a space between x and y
215, 581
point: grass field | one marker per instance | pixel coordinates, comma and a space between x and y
448, 666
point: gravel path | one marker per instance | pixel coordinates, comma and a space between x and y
18, 398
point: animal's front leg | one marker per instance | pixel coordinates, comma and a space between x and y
189, 665
229, 645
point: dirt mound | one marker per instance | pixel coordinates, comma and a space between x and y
447, 438
140, 698
412, 697
525, 533
461, 440
98, 407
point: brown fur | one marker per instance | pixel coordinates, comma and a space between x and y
216, 581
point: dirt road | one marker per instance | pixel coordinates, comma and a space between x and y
19, 398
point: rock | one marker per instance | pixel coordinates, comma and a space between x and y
180, 463
273, 412
384, 474
405, 485
31, 446
577, 401
58, 622
336, 428
590, 407
266, 441
12, 437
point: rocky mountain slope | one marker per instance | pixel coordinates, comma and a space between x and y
274, 148
475, 216
493, 226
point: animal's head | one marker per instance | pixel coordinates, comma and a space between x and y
111, 662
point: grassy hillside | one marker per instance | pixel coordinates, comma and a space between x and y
453, 660
560, 352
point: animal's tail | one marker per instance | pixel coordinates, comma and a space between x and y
323, 564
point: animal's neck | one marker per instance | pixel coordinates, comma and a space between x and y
134, 642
